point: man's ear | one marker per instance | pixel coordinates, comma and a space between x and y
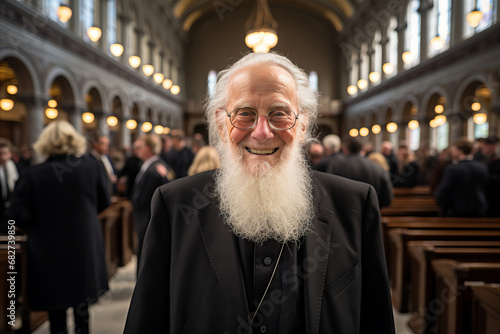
301, 131
220, 126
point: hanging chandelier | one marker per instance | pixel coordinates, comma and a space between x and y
261, 28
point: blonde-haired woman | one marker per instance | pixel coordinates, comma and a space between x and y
58, 202
207, 158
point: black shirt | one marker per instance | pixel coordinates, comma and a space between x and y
282, 310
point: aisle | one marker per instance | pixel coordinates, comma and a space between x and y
109, 315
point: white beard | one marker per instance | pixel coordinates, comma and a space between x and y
262, 202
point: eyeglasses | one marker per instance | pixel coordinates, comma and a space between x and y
279, 119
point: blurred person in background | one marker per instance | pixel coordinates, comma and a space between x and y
492, 160
366, 149
58, 202
207, 158
379, 159
99, 151
461, 191
388, 153
181, 155
126, 176
358, 168
314, 151
332, 144
8, 178
408, 169
153, 173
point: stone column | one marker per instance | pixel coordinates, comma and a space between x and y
423, 10
360, 65
457, 22
401, 29
75, 23
101, 19
102, 124
138, 46
123, 38
75, 116
35, 110
125, 137
370, 53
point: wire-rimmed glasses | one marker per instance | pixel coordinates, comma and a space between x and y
278, 119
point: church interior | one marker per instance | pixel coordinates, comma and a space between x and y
415, 73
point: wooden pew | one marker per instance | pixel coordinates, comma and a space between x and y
425, 305
412, 206
420, 190
453, 294
398, 239
429, 223
110, 219
486, 309
125, 229
28, 320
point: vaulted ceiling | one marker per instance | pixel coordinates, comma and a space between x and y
336, 12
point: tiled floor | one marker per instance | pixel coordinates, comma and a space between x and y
109, 315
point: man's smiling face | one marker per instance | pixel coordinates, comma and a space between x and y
262, 89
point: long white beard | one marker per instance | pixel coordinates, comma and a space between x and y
263, 202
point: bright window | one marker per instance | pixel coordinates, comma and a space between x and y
413, 34
313, 81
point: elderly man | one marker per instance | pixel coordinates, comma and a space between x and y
262, 244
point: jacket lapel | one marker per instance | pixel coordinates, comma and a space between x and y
223, 252
317, 251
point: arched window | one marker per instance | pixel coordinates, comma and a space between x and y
392, 49
439, 24
488, 9
376, 69
313, 81
111, 28
442, 137
212, 79
411, 56
88, 16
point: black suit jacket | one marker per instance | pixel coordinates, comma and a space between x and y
57, 202
356, 167
190, 279
462, 189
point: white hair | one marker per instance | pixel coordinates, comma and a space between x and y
332, 142
307, 98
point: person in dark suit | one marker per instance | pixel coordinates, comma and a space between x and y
99, 150
58, 202
8, 178
262, 244
461, 192
356, 167
388, 152
408, 169
152, 174
332, 145
180, 156
126, 176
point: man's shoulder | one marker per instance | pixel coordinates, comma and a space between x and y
190, 184
338, 184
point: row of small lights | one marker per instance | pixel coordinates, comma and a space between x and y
437, 121
437, 42
64, 13
51, 112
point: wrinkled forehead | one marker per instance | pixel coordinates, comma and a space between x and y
266, 79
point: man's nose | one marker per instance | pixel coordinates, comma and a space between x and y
262, 130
